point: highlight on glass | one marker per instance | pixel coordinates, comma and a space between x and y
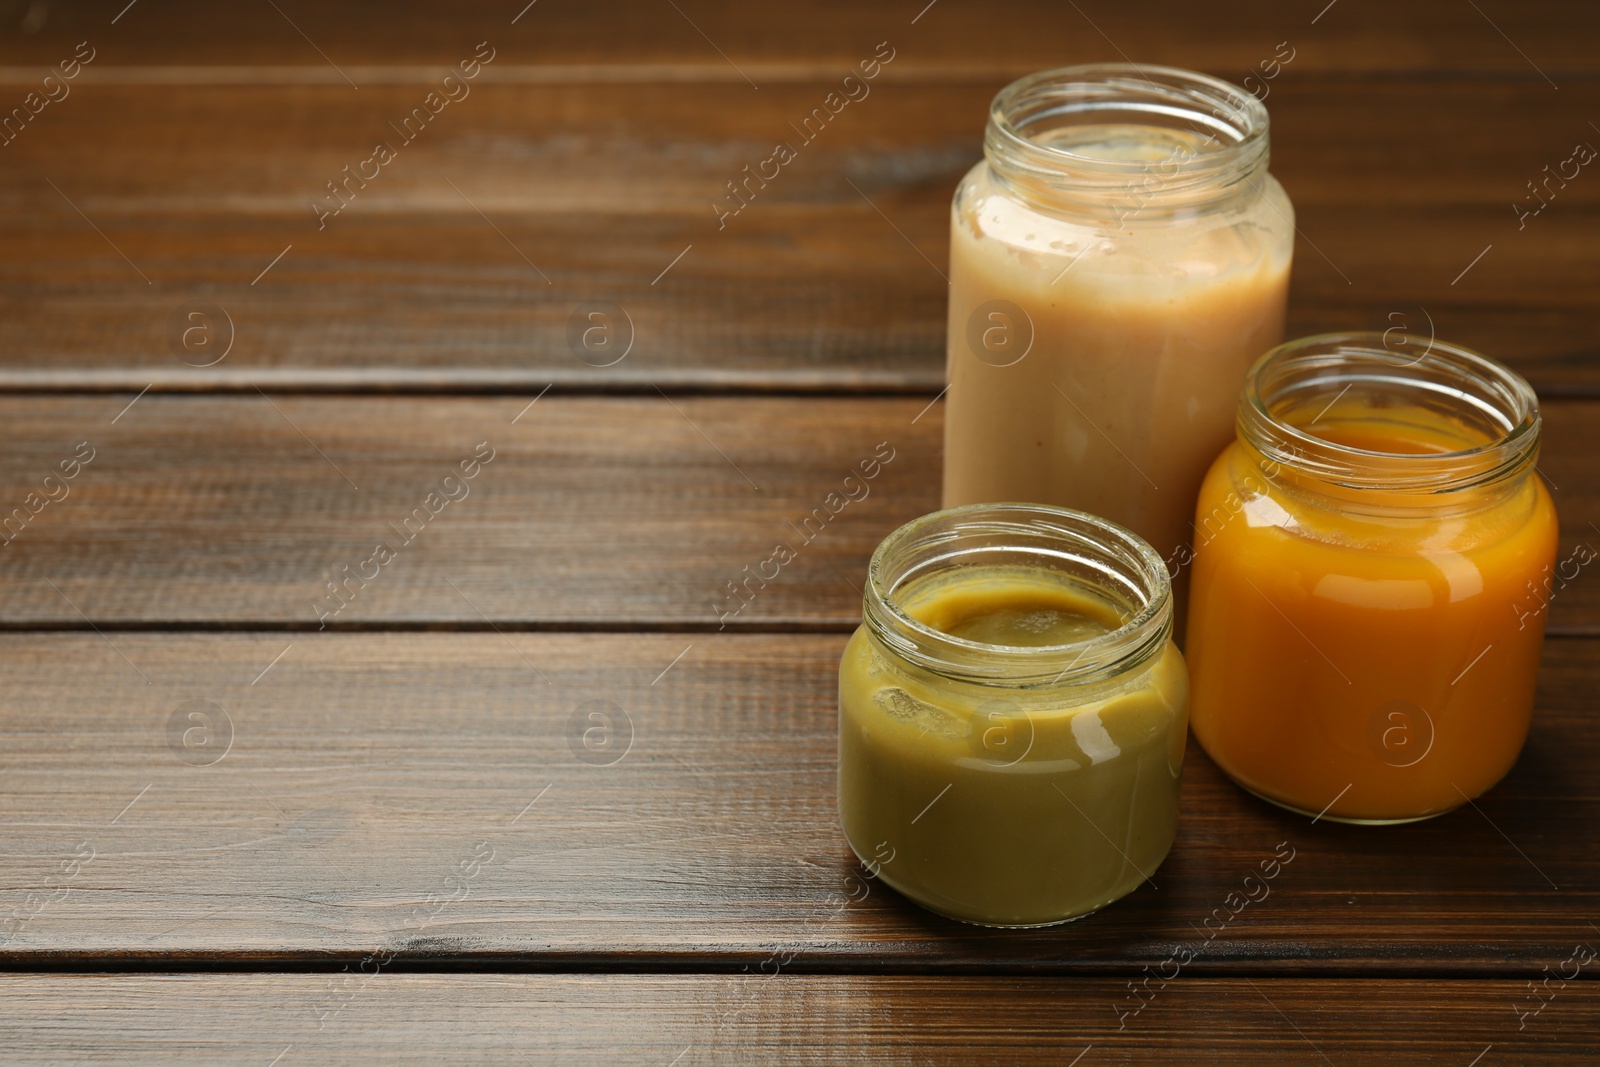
1358, 636
1012, 714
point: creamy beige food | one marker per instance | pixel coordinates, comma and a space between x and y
1137, 324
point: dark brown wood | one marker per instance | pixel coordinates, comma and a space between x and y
698, 1019
359, 776
1434, 36
403, 793
613, 513
467, 261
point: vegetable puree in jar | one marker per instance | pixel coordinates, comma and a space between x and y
1039, 793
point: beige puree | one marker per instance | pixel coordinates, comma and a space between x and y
1141, 331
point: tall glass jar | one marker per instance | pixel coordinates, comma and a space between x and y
1117, 260
1372, 560
1012, 715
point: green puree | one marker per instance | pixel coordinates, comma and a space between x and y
1015, 613
1001, 804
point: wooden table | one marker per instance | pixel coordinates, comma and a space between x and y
248, 820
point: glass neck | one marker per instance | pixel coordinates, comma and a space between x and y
1095, 556
1124, 143
1473, 423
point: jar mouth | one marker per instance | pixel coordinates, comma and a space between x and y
1491, 410
1099, 557
1200, 137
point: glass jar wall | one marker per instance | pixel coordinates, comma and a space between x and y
1365, 629
1012, 715
1117, 260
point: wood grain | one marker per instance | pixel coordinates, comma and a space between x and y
466, 263
699, 1019
408, 792
1433, 36
428, 795
608, 513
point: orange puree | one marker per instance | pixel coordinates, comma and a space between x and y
1359, 657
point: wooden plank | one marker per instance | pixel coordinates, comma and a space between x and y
593, 513
429, 795
651, 1019
719, 39
603, 194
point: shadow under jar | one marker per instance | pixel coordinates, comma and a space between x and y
1117, 261
1365, 628
1012, 715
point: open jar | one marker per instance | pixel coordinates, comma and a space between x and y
1117, 260
1012, 714
1370, 554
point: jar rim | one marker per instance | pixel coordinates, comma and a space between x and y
1453, 379
945, 538
1233, 120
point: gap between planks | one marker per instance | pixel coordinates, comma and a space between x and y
481, 382
730, 964
821, 71
401, 381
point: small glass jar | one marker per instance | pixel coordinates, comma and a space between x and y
1117, 260
1022, 782
1364, 633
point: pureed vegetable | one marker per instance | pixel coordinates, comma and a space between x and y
1358, 637
1012, 714
1118, 259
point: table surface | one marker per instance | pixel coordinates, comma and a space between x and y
245, 818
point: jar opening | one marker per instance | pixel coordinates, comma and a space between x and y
1127, 137
1391, 412
1089, 554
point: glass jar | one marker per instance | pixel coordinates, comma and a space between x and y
1360, 635
1012, 714
1117, 261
